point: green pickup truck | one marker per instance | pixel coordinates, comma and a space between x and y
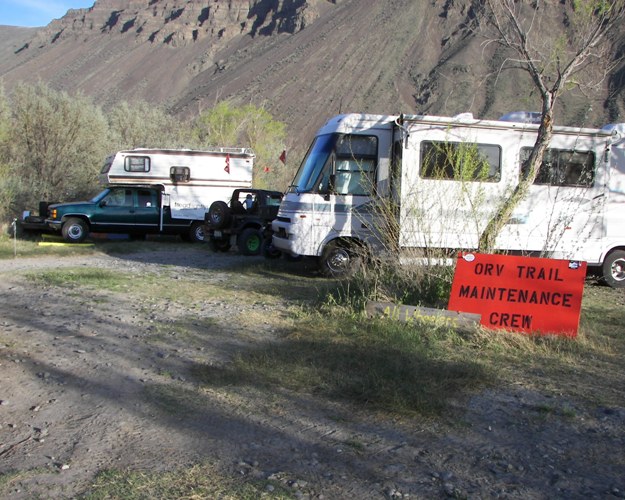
134, 210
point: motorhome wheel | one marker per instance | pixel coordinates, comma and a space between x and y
268, 250
614, 269
339, 261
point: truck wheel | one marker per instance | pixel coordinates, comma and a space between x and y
250, 241
219, 245
75, 230
614, 269
339, 261
218, 214
197, 233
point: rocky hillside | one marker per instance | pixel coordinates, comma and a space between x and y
304, 60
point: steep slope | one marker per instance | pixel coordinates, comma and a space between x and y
303, 59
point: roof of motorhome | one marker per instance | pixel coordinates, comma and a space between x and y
369, 121
190, 152
468, 119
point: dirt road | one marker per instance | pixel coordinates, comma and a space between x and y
86, 385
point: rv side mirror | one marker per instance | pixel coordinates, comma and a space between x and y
103, 203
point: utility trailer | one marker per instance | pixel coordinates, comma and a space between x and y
441, 179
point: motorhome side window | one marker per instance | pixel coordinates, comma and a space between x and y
460, 161
137, 164
562, 167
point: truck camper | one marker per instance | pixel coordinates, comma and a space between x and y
156, 191
432, 182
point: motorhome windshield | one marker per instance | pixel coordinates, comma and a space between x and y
314, 161
341, 164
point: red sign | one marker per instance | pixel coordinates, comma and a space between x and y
526, 294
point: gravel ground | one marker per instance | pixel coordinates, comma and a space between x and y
82, 389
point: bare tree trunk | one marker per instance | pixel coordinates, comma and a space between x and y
530, 171
514, 29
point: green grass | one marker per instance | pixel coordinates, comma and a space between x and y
404, 368
11, 248
201, 481
379, 364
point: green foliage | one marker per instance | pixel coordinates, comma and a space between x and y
141, 125
250, 127
51, 148
52, 144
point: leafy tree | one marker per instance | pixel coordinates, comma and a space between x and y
248, 126
142, 124
55, 145
556, 62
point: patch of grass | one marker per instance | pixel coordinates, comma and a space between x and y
10, 249
380, 364
173, 401
418, 368
11, 478
200, 481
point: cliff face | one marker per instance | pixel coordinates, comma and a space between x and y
180, 23
304, 60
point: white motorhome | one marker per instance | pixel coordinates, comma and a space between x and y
191, 180
444, 178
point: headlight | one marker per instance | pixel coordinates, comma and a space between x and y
53, 213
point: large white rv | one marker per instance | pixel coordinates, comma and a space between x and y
444, 178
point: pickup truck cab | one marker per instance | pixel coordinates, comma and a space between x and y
134, 210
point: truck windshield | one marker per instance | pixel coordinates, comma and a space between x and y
99, 196
310, 169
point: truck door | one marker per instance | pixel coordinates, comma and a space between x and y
115, 212
146, 216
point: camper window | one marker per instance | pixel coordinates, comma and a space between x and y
180, 174
562, 167
460, 161
137, 164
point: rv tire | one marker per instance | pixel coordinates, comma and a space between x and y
339, 260
75, 230
614, 269
269, 251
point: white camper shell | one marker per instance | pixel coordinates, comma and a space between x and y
443, 179
190, 180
